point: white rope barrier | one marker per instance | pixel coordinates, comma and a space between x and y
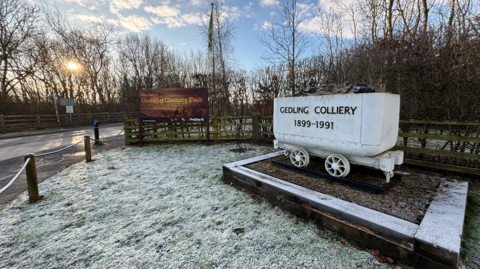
16, 176
48, 153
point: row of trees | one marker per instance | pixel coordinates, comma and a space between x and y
428, 52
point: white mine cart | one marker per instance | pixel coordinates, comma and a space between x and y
347, 128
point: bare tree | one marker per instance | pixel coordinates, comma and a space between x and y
90, 47
286, 37
18, 20
224, 35
332, 44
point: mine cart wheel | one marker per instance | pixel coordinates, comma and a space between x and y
299, 157
337, 165
286, 152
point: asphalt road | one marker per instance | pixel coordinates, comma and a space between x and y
28, 142
14, 146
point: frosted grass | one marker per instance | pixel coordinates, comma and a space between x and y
161, 207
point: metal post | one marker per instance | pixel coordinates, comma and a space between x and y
31, 172
95, 130
88, 151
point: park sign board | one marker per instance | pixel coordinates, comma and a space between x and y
175, 105
67, 102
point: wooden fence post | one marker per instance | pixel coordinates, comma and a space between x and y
255, 129
31, 172
3, 128
108, 117
88, 151
170, 129
39, 123
215, 128
66, 120
126, 131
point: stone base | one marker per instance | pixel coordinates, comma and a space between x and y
435, 243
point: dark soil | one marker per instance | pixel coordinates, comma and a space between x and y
407, 199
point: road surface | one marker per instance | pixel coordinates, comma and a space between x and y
17, 147
14, 148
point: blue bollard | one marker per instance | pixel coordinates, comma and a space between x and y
95, 129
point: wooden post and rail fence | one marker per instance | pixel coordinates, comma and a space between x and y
449, 145
18, 123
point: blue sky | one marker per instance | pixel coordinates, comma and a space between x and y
176, 22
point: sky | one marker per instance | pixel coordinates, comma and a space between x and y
176, 22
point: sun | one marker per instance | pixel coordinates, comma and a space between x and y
72, 66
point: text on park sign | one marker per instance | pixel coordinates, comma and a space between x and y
173, 105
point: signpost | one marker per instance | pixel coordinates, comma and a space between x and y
68, 102
176, 105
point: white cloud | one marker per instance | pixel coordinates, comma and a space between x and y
305, 9
196, 2
192, 18
135, 23
314, 25
78, 2
89, 18
327, 3
114, 22
231, 12
163, 11
172, 17
171, 22
117, 5
182, 44
267, 3
266, 25
164, 2
227, 13
248, 7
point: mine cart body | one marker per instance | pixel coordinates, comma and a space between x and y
360, 128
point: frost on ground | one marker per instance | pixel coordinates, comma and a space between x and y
161, 207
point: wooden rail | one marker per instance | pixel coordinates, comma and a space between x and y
221, 128
17, 123
456, 143
442, 144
